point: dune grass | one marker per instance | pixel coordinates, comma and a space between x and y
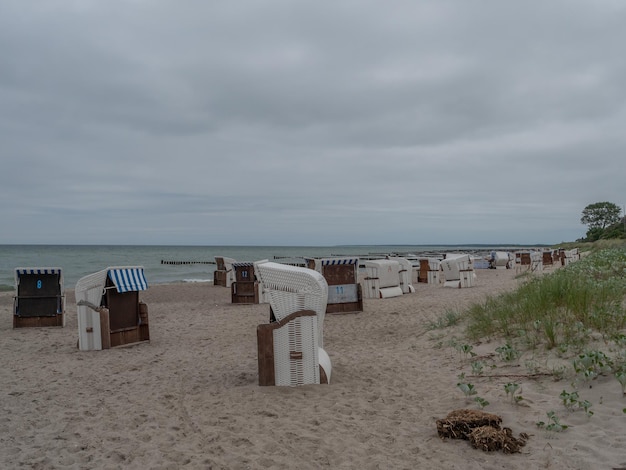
560, 309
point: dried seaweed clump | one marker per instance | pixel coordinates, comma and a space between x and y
489, 439
481, 429
460, 423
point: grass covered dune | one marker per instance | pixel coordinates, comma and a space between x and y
562, 330
564, 309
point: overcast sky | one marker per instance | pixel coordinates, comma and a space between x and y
251, 122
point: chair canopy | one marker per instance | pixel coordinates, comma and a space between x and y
124, 278
290, 289
385, 270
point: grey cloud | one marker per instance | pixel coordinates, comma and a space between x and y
251, 122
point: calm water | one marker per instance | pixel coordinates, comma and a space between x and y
80, 260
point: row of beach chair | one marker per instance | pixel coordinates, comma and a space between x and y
290, 346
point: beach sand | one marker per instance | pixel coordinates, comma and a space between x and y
190, 397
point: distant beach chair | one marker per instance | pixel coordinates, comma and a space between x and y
405, 274
569, 256
290, 349
383, 279
109, 311
429, 270
245, 287
522, 261
457, 271
224, 274
547, 259
344, 291
39, 299
529, 261
500, 260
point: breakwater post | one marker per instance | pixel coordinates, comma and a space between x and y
186, 262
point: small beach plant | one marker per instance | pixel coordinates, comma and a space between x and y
467, 389
466, 350
585, 405
511, 388
569, 399
478, 367
553, 425
590, 364
532, 367
481, 402
507, 352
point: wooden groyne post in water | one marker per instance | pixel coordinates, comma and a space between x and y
186, 262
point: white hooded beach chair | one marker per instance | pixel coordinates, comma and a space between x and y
224, 274
529, 261
383, 279
500, 260
290, 349
39, 299
434, 271
570, 256
109, 311
458, 271
405, 274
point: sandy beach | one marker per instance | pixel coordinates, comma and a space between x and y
190, 397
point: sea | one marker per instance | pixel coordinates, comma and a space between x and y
177, 264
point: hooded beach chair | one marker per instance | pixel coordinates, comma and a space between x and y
405, 274
383, 279
500, 260
109, 311
529, 261
245, 288
341, 275
569, 256
429, 270
290, 349
39, 298
224, 274
458, 271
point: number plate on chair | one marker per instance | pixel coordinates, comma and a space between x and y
342, 294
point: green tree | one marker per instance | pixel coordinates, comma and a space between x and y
598, 217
